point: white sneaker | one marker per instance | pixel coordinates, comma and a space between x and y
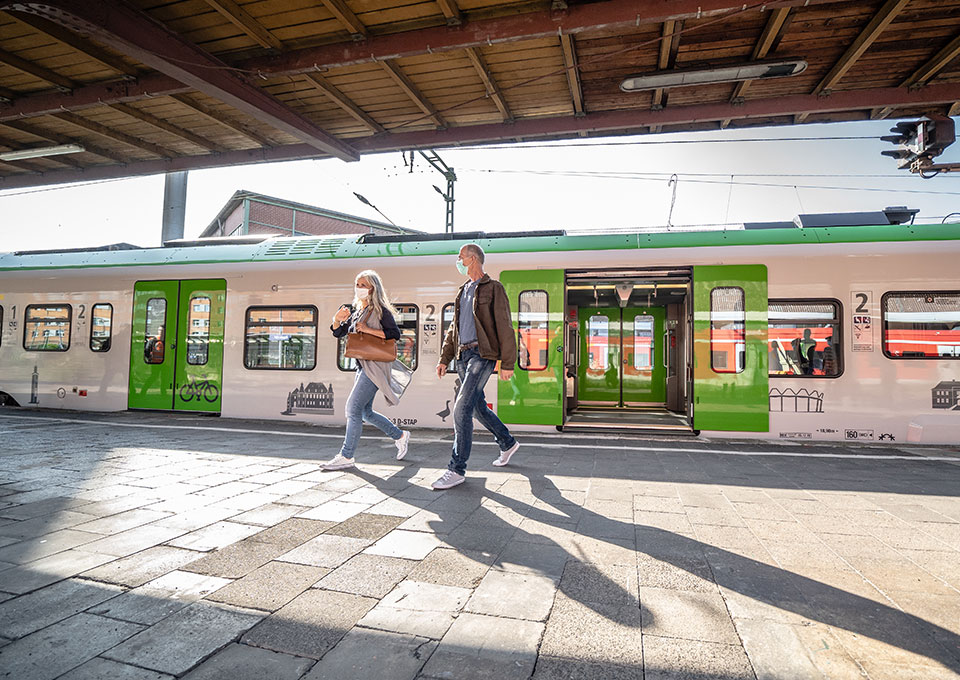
449, 479
338, 462
505, 456
402, 444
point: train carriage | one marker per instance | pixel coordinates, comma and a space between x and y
827, 333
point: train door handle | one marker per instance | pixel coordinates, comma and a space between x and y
665, 348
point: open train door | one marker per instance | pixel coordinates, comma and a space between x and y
730, 379
534, 396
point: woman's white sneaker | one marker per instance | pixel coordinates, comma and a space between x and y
338, 462
402, 444
449, 479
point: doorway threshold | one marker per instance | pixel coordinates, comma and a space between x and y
634, 420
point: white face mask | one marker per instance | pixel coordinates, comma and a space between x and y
362, 293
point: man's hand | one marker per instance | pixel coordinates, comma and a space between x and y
505, 374
441, 370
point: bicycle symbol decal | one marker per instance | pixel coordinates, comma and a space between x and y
197, 390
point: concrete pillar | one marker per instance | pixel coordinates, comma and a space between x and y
174, 205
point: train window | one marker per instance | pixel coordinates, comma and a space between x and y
154, 337
46, 328
598, 331
921, 325
643, 342
198, 331
727, 330
533, 341
407, 318
446, 320
101, 327
281, 338
803, 338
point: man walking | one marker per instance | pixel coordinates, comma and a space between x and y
481, 334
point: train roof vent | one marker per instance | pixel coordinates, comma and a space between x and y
304, 246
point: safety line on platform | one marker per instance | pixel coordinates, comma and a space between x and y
652, 449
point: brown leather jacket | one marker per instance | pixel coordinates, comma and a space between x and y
495, 336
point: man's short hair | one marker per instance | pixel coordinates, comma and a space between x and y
475, 250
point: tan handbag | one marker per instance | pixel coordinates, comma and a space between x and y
370, 347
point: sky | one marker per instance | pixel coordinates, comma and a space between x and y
616, 182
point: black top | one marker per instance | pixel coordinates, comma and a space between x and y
387, 324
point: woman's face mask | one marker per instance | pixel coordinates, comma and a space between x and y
362, 292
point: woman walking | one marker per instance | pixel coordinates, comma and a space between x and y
373, 314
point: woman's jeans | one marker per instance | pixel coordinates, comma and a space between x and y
474, 372
359, 411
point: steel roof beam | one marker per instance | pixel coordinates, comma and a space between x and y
240, 18
559, 126
926, 72
577, 18
61, 83
139, 37
123, 138
489, 82
883, 18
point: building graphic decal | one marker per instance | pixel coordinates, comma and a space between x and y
313, 399
795, 401
947, 395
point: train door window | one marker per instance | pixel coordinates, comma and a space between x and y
1, 324
728, 338
446, 320
46, 328
921, 325
154, 337
101, 327
198, 331
408, 321
804, 338
280, 338
344, 363
598, 330
533, 341
643, 329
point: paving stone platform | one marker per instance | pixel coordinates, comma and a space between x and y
138, 545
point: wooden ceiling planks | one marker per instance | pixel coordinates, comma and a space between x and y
438, 92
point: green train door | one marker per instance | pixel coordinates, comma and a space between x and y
534, 396
730, 380
176, 354
621, 356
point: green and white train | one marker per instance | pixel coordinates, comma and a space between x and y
818, 333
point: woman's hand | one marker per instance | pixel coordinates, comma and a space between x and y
362, 327
342, 315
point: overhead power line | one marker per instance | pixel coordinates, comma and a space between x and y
643, 142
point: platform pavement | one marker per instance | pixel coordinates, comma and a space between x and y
139, 545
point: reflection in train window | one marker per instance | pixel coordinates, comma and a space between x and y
154, 339
46, 328
534, 341
803, 338
921, 325
101, 327
198, 331
1, 324
598, 328
728, 342
643, 341
408, 321
282, 338
446, 320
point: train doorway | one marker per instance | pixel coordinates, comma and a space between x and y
627, 350
176, 352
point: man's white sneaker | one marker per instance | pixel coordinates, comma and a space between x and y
505, 456
338, 462
449, 479
402, 444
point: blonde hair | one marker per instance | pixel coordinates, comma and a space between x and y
378, 296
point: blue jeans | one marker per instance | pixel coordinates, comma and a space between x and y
360, 410
474, 372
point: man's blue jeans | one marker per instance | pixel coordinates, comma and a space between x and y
474, 372
359, 410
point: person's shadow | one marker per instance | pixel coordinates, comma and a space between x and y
765, 583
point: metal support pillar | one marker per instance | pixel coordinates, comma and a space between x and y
174, 205
447, 172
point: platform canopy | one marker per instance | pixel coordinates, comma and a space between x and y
150, 86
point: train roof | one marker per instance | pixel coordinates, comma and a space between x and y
278, 249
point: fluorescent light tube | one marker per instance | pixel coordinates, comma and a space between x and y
42, 152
